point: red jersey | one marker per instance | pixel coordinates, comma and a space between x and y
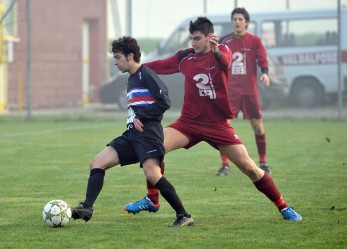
206, 83
248, 51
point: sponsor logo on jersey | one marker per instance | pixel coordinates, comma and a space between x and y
210, 68
151, 151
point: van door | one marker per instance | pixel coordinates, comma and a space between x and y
307, 49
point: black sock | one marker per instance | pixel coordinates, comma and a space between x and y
169, 193
95, 183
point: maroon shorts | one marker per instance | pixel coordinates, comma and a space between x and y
213, 133
248, 104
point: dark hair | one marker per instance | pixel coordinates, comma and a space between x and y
126, 45
201, 24
242, 11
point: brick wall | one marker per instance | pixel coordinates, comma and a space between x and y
56, 38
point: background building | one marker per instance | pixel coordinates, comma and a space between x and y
68, 53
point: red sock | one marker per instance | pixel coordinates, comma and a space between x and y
152, 191
260, 140
225, 160
267, 186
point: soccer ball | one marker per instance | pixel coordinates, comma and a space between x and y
56, 213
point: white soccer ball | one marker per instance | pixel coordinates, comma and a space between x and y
56, 213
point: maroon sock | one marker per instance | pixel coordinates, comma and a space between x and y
267, 186
225, 161
260, 140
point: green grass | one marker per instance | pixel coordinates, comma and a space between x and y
48, 158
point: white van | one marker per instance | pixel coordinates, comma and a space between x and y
304, 42
114, 91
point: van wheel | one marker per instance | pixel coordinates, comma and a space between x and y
307, 93
122, 99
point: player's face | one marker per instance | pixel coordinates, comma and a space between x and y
121, 62
239, 24
199, 42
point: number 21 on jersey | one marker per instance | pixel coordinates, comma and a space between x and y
205, 85
239, 63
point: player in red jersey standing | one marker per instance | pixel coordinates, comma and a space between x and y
248, 52
206, 111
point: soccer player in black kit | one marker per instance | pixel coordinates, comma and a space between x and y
142, 142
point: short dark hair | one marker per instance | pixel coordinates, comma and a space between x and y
201, 24
242, 11
126, 45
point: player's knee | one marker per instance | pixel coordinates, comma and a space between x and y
152, 177
92, 164
257, 126
247, 166
152, 174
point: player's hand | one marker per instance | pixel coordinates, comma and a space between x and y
265, 79
138, 125
213, 39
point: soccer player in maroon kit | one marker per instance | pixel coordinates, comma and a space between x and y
248, 52
206, 111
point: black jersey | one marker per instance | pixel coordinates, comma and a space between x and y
147, 96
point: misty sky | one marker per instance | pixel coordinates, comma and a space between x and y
157, 18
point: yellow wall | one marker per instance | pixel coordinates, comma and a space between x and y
3, 65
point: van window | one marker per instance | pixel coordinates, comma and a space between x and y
180, 39
288, 33
305, 44
251, 28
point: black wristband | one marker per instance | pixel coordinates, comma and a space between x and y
265, 70
218, 54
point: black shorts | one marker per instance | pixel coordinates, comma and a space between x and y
134, 146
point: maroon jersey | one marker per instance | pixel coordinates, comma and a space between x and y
248, 51
206, 83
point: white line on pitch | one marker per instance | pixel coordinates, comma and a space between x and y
43, 132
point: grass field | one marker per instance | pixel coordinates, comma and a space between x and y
48, 158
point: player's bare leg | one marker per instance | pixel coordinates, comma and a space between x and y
173, 139
263, 182
260, 140
239, 156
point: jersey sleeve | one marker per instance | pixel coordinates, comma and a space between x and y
261, 56
166, 66
225, 56
159, 91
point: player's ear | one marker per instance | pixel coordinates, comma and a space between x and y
130, 56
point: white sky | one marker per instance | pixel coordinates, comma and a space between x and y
157, 18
